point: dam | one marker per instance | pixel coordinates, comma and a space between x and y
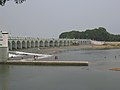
15, 43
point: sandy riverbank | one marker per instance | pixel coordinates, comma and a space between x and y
106, 47
52, 50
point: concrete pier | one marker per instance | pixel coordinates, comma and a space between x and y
47, 63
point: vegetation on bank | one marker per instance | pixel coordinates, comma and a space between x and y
99, 34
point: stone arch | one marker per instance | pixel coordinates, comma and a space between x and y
79, 42
82, 42
46, 43
28, 44
19, 45
36, 44
71, 43
23, 44
13, 45
85, 42
60, 43
51, 43
32, 44
41, 44
68, 43
56, 43
65, 43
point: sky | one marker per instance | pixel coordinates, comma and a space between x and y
49, 18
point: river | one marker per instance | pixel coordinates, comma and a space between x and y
96, 76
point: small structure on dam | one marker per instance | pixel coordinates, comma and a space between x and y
3, 46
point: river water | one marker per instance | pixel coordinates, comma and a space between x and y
96, 76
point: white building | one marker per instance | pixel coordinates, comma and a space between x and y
3, 46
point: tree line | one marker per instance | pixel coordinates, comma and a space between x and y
99, 34
2, 2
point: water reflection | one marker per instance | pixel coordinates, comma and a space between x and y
4, 76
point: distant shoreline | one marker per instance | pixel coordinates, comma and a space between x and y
113, 46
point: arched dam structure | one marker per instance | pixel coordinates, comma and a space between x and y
15, 43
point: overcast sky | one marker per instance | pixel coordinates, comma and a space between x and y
49, 18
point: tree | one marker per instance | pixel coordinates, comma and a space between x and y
99, 34
2, 2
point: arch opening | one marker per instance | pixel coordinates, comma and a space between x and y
36, 43
56, 43
32, 44
46, 43
28, 44
41, 44
13, 45
23, 44
51, 43
19, 45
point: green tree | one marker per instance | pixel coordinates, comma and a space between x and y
99, 34
2, 2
